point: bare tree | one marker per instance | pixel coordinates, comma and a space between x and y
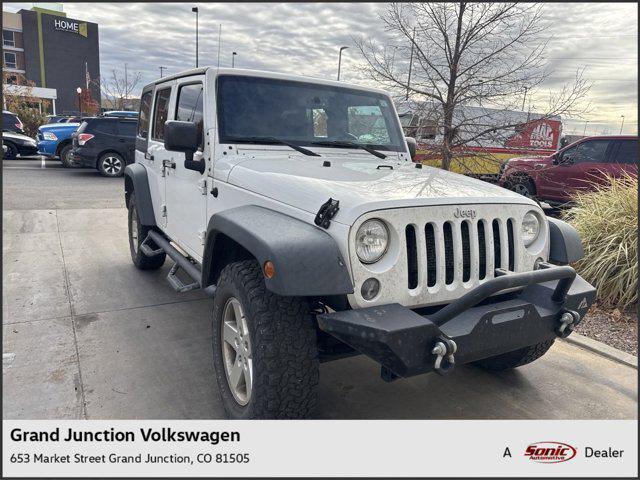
118, 87
466, 65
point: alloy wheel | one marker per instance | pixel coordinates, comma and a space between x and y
236, 351
111, 165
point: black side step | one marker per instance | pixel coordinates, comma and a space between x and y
181, 262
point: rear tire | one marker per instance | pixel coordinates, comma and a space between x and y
137, 234
517, 358
65, 157
12, 151
111, 165
280, 355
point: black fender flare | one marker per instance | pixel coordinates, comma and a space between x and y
135, 179
565, 244
307, 260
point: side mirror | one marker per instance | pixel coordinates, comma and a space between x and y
555, 159
413, 147
183, 137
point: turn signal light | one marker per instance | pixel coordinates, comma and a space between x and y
269, 269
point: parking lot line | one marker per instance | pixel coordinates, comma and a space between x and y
43, 164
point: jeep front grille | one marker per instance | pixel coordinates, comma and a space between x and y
434, 257
455, 259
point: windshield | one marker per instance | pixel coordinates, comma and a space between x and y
251, 108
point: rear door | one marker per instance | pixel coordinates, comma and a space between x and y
156, 156
186, 189
127, 139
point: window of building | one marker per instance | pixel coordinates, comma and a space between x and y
8, 38
161, 111
145, 114
189, 107
10, 60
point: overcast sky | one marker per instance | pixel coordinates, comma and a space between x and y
304, 38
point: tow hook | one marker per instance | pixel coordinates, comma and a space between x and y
568, 321
444, 347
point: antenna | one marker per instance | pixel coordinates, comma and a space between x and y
219, 40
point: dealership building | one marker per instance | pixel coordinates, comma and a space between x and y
56, 53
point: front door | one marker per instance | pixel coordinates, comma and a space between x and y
575, 169
186, 189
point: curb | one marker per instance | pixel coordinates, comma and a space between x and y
602, 349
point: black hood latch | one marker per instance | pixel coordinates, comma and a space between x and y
326, 212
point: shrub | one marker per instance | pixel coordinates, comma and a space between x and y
607, 220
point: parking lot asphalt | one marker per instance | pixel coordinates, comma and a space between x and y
87, 335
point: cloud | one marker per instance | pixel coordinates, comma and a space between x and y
304, 38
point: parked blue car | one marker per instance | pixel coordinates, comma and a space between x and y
54, 139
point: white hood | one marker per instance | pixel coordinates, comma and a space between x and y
361, 184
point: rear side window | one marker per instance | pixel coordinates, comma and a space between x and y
189, 107
145, 114
592, 151
9, 120
107, 127
127, 129
627, 152
160, 113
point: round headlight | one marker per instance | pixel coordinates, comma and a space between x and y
372, 240
530, 228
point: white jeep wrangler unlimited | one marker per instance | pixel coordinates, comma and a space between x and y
295, 204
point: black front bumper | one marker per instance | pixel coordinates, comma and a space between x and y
403, 341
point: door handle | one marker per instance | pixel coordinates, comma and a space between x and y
148, 156
169, 164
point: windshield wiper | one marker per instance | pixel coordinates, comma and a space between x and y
275, 140
347, 144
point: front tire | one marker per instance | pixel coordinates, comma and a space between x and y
137, 234
111, 165
265, 351
517, 358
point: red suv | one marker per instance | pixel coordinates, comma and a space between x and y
578, 166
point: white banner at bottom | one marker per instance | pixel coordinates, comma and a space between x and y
159, 448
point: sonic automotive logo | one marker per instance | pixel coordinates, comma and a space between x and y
550, 452
542, 136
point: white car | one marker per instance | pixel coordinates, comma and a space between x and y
295, 203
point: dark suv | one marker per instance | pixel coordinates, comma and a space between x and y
11, 122
105, 143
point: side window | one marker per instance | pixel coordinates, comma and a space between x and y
126, 129
627, 152
592, 151
189, 108
145, 114
160, 113
107, 127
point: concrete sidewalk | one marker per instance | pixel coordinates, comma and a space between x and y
87, 335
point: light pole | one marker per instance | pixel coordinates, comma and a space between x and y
161, 70
233, 59
413, 39
79, 90
195, 10
622, 124
340, 60
584, 132
525, 97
